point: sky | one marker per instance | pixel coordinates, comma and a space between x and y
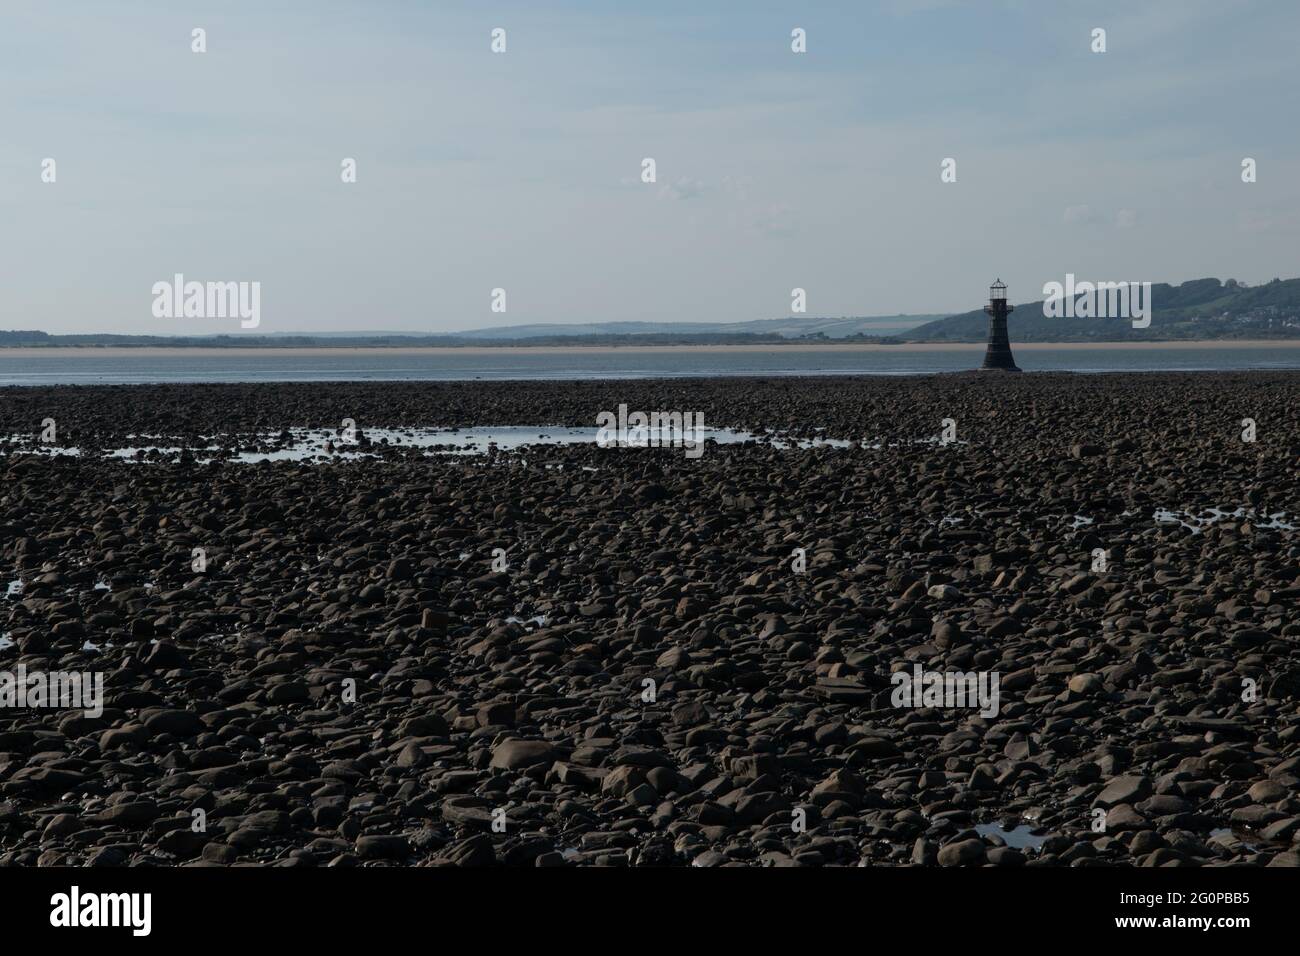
522, 170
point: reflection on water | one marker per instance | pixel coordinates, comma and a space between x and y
302, 444
1211, 516
91, 366
1021, 838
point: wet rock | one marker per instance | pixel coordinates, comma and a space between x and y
519, 754
962, 853
1125, 789
383, 847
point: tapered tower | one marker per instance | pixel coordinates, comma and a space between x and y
998, 355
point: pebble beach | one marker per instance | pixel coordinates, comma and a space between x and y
326, 641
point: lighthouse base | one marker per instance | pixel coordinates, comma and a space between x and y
998, 357
998, 363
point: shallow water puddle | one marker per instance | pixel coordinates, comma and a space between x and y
50, 450
312, 444
540, 620
7, 641
481, 441
1198, 523
1021, 838
1230, 835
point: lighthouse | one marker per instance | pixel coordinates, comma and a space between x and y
998, 355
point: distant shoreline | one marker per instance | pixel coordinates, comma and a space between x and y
90, 351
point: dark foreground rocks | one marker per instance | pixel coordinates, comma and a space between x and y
353, 679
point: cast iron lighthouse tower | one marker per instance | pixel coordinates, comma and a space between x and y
998, 355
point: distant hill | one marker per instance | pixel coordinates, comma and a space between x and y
27, 339
1197, 309
1205, 309
758, 332
789, 328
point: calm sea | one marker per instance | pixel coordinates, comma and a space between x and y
93, 366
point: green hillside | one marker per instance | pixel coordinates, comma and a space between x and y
1197, 309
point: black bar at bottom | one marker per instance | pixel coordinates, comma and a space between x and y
214, 905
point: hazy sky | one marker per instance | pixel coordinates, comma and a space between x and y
522, 170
